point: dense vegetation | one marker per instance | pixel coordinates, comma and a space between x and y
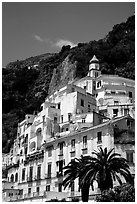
25, 89
122, 193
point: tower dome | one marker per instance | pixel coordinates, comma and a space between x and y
94, 67
94, 60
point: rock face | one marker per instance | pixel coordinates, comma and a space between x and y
63, 74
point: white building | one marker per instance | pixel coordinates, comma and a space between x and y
75, 120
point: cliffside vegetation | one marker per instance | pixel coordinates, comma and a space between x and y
26, 83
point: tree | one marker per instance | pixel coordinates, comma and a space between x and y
105, 168
76, 169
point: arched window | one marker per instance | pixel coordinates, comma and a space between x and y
38, 132
16, 177
12, 178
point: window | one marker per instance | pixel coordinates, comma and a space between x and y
121, 92
99, 137
83, 120
84, 141
115, 112
31, 173
43, 119
12, 178
126, 111
61, 118
55, 120
82, 102
29, 190
73, 143
21, 152
39, 132
98, 84
49, 149
60, 187
58, 105
96, 74
69, 116
16, 177
129, 123
116, 103
26, 139
85, 87
39, 172
60, 148
37, 190
60, 164
130, 94
49, 170
26, 149
48, 188
67, 129
20, 191
113, 92
89, 108
129, 156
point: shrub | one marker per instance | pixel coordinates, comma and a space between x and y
123, 193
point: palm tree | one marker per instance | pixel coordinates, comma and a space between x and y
76, 169
105, 168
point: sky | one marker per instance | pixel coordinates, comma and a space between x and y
34, 28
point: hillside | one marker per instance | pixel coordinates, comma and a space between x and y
26, 83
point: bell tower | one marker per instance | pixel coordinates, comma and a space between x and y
94, 68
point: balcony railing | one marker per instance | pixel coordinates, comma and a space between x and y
37, 155
32, 195
12, 166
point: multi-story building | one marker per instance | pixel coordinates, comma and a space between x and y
75, 120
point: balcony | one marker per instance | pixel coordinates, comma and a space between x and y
16, 165
37, 155
34, 194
